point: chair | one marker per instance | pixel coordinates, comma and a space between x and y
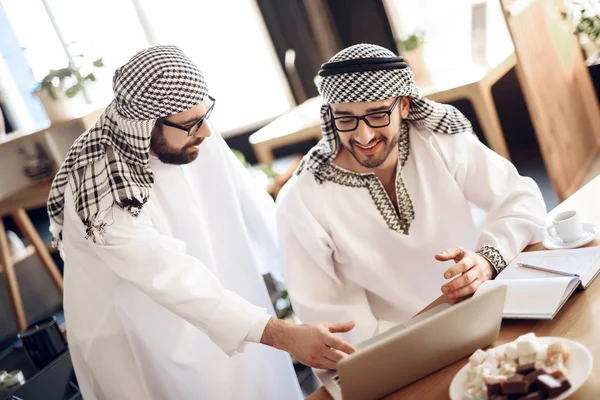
558, 91
32, 197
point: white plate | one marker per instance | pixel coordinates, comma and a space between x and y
579, 368
590, 231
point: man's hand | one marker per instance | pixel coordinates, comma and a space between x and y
311, 344
471, 268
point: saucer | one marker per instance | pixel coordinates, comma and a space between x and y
590, 231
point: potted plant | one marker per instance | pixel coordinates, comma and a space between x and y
584, 16
60, 89
411, 48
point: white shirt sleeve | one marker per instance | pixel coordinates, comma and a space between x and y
317, 292
515, 206
257, 329
159, 267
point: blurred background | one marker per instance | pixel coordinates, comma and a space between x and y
526, 73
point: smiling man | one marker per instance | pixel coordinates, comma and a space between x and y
164, 237
379, 205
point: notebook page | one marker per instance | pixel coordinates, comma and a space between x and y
575, 261
532, 298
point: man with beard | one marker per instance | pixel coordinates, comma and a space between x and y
164, 237
386, 197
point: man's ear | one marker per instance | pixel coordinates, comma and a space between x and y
404, 106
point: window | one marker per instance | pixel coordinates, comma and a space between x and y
229, 42
227, 39
447, 25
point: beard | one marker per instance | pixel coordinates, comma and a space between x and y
374, 160
170, 155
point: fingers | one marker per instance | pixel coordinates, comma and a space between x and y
465, 279
341, 327
463, 266
466, 290
455, 254
339, 344
327, 364
334, 355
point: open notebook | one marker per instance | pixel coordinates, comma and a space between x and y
541, 292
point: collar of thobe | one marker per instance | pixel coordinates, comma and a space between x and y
397, 221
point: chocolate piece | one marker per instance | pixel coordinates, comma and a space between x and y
497, 397
526, 368
516, 385
564, 383
549, 386
494, 388
531, 378
532, 396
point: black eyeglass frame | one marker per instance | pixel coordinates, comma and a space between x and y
364, 117
196, 124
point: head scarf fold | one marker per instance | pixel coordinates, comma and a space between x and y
366, 72
108, 164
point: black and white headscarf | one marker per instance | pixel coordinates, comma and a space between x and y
366, 72
108, 164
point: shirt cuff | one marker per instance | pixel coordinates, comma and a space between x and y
256, 330
493, 256
231, 322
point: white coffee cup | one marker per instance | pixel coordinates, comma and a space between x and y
566, 226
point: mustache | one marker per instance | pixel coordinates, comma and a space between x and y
195, 142
375, 139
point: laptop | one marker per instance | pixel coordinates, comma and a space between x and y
408, 352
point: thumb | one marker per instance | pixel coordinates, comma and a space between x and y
455, 254
341, 327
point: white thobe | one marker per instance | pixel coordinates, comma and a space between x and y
170, 306
343, 262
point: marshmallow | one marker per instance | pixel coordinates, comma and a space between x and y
508, 368
477, 357
492, 379
556, 359
511, 351
528, 359
497, 354
490, 362
558, 348
527, 344
557, 368
542, 353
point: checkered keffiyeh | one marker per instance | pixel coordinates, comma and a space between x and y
108, 164
366, 72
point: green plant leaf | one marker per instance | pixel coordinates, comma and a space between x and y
240, 156
99, 63
268, 171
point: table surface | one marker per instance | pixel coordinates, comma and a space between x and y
33, 196
578, 320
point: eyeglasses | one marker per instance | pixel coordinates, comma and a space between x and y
193, 129
377, 119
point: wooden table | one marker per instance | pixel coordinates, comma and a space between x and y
298, 125
578, 320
